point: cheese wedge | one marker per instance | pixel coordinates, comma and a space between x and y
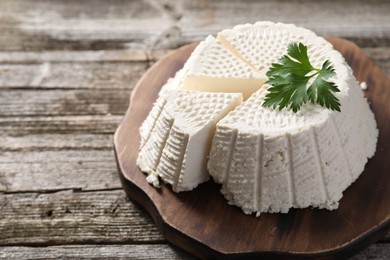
213, 68
181, 126
272, 160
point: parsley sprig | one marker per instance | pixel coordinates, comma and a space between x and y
289, 79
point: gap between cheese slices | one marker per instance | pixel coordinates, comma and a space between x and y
214, 68
228, 85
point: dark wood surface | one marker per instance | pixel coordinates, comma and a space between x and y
203, 223
67, 70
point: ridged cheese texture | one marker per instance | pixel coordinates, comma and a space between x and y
176, 136
269, 160
263, 43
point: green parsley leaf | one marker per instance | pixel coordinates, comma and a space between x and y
289, 79
320, 91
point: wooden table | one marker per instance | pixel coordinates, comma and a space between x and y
67, 69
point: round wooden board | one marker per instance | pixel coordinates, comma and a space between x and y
201, 221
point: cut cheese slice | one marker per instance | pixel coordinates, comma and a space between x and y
181, 126
166, 90
213, 68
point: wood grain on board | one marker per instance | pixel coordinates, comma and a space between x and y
201, 221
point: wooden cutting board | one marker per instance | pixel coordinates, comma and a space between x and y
202, 223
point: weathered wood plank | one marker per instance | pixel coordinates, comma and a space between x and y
47, 162
68, 217
52, 142
116, 24
103, 75
88, 24
368, 23
159, 251
377, 251
17, 102
59, 125
128, 55
120, 75
141, 53
50, 170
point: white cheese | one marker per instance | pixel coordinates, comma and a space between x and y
213, 68
363, 85
269, 160
181, 126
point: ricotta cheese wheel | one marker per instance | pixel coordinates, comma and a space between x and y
267, 160
176, 136
271, 160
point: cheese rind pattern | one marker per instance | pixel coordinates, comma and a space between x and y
181, 126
